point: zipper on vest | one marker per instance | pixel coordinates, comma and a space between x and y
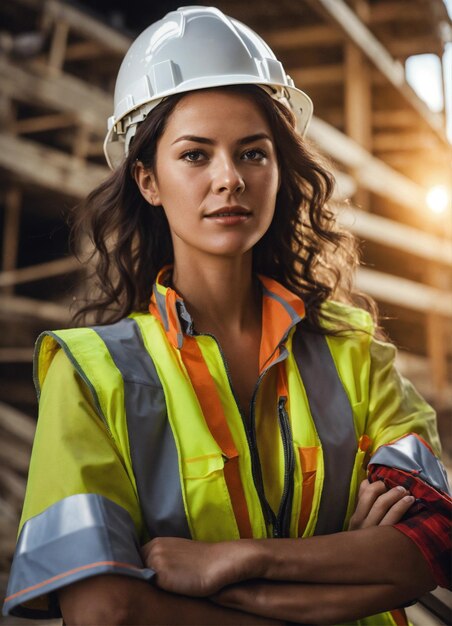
285, 508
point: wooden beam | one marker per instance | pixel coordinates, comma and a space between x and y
81, 142
370, 172
16, 355
419, 44
62, 173
303, 36
398, 12
357, 97
309, 77
43, 123
12, 485
396, 235
37, 309
404, 293
400, 141
356, 31
436, 350
400, 118
17, 423
14, 454
63, 93
84, 50
345, 186
11, 231
40, 271
357, 100
58, 45
88, 26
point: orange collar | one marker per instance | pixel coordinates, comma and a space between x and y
281, 311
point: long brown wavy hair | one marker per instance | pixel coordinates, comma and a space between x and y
304, 247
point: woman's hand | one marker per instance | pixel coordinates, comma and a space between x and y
379, 507
200, 569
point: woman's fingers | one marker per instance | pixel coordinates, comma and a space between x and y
388, 504
368, 494
397, 511
377, 506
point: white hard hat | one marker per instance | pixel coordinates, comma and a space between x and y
192, 48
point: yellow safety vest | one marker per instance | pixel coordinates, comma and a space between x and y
192, 460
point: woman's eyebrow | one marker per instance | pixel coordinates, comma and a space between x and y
206, 140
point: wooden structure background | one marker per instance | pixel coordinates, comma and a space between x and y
58, 63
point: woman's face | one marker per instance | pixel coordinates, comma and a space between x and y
216, 174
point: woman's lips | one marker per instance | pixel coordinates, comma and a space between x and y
229, 215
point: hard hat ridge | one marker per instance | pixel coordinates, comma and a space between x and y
194, 48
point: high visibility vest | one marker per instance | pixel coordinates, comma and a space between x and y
164, 395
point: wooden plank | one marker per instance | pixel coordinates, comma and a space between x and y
13, 486
357, 97
370, 172
11, 230
436, 351
88, 26
420, 44
62, 173
64, 93
357, 100
58, 45
81, 142
309, 77
356, 31
17, 423
396, 235
394, 11
303, 36
84, 50
405, 293
397, 118
40, 271
14, 454
399, 141
16, 355
37, 309
43, 122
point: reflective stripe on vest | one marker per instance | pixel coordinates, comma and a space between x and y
154, 453
333, 419
152, 446
413, 455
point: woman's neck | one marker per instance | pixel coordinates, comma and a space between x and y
220, 294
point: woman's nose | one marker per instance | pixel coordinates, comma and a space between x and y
227, 178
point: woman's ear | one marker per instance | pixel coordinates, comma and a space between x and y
147, 184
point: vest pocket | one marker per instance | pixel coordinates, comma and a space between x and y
358, 475
209, 508
309, 458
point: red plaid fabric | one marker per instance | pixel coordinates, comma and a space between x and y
428, 521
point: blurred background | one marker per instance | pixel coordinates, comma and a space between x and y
380, 75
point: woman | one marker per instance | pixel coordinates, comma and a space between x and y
192, 440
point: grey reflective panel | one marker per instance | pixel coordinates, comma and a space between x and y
161, 305
293, 314
78, 537
411, 455
152, 446
333, 418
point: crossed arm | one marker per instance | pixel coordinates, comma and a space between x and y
328, 579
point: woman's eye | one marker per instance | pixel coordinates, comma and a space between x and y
193, 156
254, 155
